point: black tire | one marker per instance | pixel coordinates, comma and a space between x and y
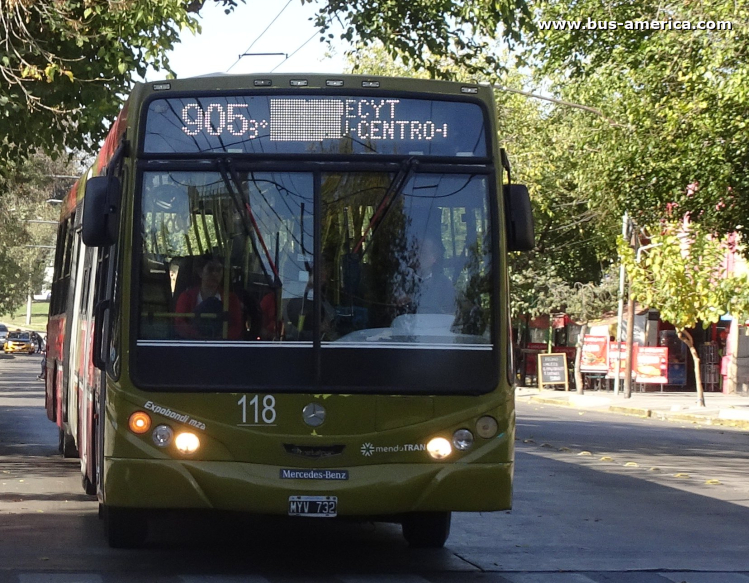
426, 530
125, 528
90, 485
66, 445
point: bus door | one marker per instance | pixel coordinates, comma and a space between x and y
75, 336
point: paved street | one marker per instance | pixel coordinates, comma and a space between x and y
599, 498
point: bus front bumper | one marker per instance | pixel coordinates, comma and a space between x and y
260, 489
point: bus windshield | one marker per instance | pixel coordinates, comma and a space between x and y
231, 256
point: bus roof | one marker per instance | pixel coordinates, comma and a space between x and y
306, 81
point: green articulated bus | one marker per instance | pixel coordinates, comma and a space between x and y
288, 295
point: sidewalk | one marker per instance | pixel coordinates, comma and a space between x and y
730, 410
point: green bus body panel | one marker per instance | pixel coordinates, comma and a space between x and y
351, 422
381, 489
238, 467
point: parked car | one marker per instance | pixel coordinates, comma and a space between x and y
44, 296
3, 333
19, 342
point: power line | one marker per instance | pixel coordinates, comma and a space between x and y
247, 50
314, 34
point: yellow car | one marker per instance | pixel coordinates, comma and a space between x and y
19, 342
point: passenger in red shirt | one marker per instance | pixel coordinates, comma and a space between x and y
207, 298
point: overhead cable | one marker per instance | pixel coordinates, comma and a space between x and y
247, 50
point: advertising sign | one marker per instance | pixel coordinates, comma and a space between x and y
552, 370
617, 355
595, 354
651, 365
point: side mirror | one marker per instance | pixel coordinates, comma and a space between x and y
518, 218
100, 211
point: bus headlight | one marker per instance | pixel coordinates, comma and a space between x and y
187, 442
439, 448
139, 422
486, 427
462, 439
162, 435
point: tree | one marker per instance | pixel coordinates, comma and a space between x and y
24, 192
67, 63
682, 275
540, 290
672, 101
676, 97
568, 271
440, 36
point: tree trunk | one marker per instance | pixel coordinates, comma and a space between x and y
578, 359
686, 338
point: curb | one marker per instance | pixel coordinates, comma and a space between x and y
632, 411
549, 401
704, 420
649, 413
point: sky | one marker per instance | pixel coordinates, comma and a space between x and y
225, 37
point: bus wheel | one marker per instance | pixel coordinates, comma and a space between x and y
88, 485
426, 530
125, 528
66, 445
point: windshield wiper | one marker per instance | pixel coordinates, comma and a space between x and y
394, 191
231, 181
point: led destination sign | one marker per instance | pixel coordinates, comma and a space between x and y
311, 120
311, 124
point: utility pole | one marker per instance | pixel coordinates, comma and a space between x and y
630, 328
29, 299
620, 309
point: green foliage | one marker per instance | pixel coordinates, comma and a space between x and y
679, 145
575, 235
683, 277
672, 137
537, 289
67, 64
39, 317
24, 192
428, 34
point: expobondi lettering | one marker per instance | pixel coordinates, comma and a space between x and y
182, 418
